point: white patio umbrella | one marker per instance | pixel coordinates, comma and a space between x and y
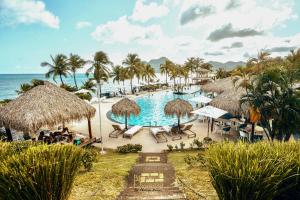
211, 112
201, 99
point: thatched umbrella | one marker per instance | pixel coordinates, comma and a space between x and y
219, 85
178, 107
229, 100
44, 105
126, 107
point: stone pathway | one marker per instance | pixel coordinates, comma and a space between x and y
152, 178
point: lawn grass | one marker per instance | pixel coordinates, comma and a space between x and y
196, 178
106, 179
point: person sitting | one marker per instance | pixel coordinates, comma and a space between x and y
41, 136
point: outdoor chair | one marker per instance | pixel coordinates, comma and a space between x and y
132, 131
187, 131
118, 130
175, 133
158, 134
244, 136
225, 130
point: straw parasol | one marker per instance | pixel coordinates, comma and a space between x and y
126, 107
229, 100
219, 85
44, 105
178, 107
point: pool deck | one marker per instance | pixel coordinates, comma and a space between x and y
143, 137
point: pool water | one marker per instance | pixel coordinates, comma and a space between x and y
152, 110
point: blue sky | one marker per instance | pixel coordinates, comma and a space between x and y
32, 30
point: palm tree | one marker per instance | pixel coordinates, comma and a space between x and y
99, 69
221, 73
242, 75
166, 68
133, 62
28, 86
75, 63
149, 72
117, 73
89, 85
277, 102
257, 64
59, 67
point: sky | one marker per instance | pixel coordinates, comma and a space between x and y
227, 30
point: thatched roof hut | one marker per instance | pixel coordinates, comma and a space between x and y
219, 85
44, 105
126, 107
229, 100
179, 108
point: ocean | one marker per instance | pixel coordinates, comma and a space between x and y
9, 83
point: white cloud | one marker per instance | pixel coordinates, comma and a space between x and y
15, 12
143, 12
178, 41
124, 31
83, 24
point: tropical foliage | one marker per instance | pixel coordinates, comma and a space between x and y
30, 171
255, 171
75, 63
57, 67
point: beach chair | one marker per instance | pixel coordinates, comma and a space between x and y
118, 130
132, 131
187, 131
158, 134
175, 133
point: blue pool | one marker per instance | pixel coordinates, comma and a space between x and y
152, 110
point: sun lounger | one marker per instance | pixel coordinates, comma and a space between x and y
132, 131
158, 134
175, 133
118, 130
187, 131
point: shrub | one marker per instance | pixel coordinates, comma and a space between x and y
182, 145
39, 172
198, 143
170, 147
195, 161
129, 148
88, 158
255, 171
84, 96
176, 147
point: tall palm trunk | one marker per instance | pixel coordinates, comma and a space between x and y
166, 79
61, 80
74, 77
131, 85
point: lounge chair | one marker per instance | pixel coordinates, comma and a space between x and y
187, 131
158, 134
118, 130
175, 133
132, 131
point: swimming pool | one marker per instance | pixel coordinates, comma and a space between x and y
152, 110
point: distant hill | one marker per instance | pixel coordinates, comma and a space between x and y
227, 65
155, 63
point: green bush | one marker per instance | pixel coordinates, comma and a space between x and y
198, 143
182, 145
35, 172
170, 147
84, 96
129, 148
196, 160
255, 171
88, 158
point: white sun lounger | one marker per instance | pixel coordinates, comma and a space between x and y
158, 134
132, 131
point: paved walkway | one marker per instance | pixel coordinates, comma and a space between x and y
152, 178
